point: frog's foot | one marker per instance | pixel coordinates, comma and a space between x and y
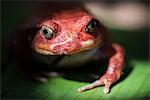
113, 72
50, 74
43, 76
41, 79
105, 80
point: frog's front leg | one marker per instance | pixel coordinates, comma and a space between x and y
113, 73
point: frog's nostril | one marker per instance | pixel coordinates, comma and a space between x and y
78, 37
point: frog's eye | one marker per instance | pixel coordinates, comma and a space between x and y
47, 32
90, 28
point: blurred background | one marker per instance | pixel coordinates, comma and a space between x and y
127, 22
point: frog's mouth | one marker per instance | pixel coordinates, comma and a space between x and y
47, 52
43, 51
85, 45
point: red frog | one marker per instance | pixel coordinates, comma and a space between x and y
72, 33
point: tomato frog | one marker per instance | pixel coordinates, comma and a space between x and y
68, 35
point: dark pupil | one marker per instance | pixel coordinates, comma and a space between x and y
92, 24
45, 31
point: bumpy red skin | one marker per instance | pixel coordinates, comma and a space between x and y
71, 25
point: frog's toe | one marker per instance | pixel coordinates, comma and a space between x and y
42, 79
43, 76
47, 74
91, 86
51, 74
106, 88
96, 84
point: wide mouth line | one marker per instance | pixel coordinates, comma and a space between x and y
48, 52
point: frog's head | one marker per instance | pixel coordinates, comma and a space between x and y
67, 32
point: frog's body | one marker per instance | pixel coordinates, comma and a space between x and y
69, 35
